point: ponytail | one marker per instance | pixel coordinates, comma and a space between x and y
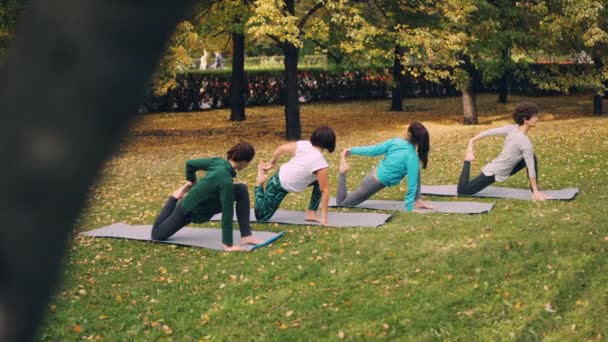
419, 137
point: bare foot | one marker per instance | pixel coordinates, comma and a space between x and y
182, 190
344, 167
250, 240
234, 248
311, 216
345, 153
261, 177
469, 155
420, 204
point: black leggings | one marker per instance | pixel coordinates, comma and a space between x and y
173, 218
469, 187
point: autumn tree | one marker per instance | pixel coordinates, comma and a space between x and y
222, 22
285, 22
574, 28
176, 59
369, 37
501, 27
445, 50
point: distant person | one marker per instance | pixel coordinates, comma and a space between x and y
307, 168
402, 157
199, 199
218, 62
517, 153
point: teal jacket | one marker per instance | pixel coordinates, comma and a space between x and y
211, 194
400, 160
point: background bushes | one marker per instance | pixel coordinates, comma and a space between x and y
202, 90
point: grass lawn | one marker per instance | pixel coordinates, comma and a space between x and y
525, 271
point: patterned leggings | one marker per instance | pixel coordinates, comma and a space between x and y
267, 202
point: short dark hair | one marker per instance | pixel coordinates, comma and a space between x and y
242, 151
524, 111
324, 137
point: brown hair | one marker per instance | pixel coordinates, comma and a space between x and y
242, 151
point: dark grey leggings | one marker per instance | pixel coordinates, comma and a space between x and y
469, 187
368, 187
172, 217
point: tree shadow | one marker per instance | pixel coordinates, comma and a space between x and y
564, 301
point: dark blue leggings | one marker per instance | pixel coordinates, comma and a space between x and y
468, 187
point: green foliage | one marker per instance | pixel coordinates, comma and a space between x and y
525, 271
183, 43
575, 27
9, 14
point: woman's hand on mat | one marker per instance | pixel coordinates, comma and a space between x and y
234, 248
539, 196
420, 204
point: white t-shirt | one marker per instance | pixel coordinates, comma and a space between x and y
298, 173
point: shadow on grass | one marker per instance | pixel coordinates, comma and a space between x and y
565, 301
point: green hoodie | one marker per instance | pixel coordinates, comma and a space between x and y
212, 193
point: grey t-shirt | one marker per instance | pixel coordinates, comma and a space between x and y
517, 146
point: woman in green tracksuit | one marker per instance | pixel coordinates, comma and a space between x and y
199, 199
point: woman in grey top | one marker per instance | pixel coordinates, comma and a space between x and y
517, 153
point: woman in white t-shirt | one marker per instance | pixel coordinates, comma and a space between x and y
307, 167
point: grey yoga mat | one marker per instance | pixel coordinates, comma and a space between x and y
500, 192
196, 237
451, 207
334, 219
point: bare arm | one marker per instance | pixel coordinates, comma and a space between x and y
323, 178
289, 148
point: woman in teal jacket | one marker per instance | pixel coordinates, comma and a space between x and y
199, 199
402, 157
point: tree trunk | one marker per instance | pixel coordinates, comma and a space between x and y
58, 143
292, 105
469, 105
237, 81
598, 106
505, 80
397, 91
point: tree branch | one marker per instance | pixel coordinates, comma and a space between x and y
336, 58
309, 14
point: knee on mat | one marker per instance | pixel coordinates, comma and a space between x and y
260, 216
464, 192
157, 236
240, 189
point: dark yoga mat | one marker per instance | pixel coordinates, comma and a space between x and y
451, 207
334, 219
195, 237
500, 192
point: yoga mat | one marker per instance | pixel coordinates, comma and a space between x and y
500, 192
334, 219
440, 207
195, 237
